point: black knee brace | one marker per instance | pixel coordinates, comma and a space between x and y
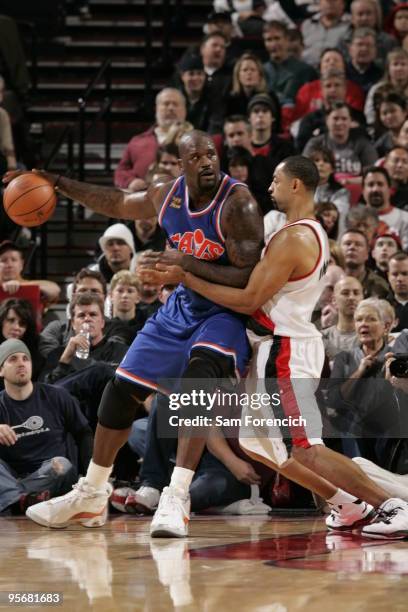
208, 367
121, 402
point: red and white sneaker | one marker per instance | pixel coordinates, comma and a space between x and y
172, 515
84, 505
349, 517
119, 497
391, 522
143, 501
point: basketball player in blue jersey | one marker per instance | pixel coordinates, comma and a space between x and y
215, 229
288, 357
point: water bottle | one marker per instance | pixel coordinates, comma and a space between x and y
80, 352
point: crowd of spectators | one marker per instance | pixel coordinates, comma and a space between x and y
325, 78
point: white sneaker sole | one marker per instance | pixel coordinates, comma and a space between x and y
165, 531
97, 520
355, 527
398, 535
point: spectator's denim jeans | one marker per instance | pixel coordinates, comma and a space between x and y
46, 478
213, 484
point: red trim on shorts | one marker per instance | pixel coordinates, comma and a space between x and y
290, 406
260, 317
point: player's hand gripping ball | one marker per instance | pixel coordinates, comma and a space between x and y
29, 199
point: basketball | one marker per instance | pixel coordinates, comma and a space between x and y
29, 200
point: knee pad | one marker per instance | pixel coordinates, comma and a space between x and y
120, 404
208, 367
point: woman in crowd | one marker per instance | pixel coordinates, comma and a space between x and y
363, 405
330, 190
17, 321
392, 112
248, 79
395, 79
328, 215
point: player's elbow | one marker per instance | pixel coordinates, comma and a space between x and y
249, 304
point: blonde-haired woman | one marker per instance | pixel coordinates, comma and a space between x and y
395, 79
248, 79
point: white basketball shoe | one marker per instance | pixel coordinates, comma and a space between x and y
391, 522
172, 515
349, 516
84, 505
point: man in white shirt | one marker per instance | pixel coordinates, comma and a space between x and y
377, 193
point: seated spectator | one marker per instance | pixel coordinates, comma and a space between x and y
248, 79
237, 133
35, 461
397, 21
57, 333
362, 405
284, 73
11, 271
86, 377
392, 112
126, 319
246, 10
141, 150
366, 220
203, 112
333, 88
385, 246
213, 54
118, 251
85, 308
325, 29
354, 246
264, 121
348, 293
324, 314
398, 279
220, 20
395, 79
240, 164
377, 193
368, 14
396, 164
309, 96
17, 321
168, 160
361, 68
352, 150
328, 215
330, 190
296, 44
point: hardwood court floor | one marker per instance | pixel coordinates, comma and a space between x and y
238, 564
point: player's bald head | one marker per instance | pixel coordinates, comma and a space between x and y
194, 139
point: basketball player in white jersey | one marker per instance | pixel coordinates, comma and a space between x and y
288, 357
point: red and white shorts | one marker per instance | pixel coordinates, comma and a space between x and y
287, 371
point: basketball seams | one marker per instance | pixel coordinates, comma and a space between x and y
25, 194
35, 209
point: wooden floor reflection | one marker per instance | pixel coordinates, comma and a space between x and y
239, 564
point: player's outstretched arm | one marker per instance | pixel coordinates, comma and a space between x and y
267, 278
242, 226
107, 201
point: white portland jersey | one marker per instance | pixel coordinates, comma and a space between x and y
290, 310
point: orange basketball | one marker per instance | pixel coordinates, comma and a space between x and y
29, 200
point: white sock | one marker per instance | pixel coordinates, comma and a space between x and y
181, 479
341, 497
98, 476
